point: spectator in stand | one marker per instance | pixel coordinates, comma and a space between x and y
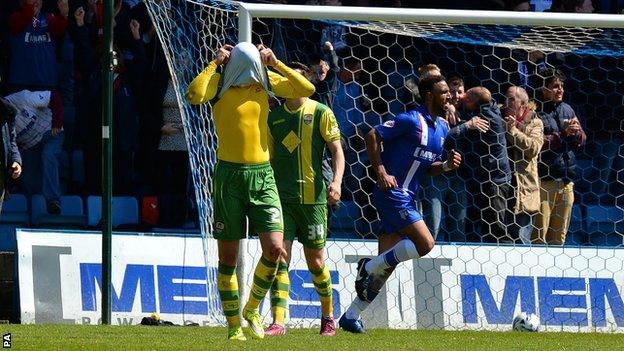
558, 5
428, 70
33, 47
127, 85
88, 98
482, 143
349, 114
606, 147
173, 160
563, 138
335, 34
351, 107
578, 6
445, 195
456, 85
324, 74
525, 137
39, 128
518, 5
11, 161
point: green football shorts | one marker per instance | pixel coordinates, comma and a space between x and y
308, 223
241, 191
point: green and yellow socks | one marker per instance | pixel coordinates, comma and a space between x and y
322, 283
228, 292
279, 294
263, 278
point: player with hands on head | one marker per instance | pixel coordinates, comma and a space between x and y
243, 180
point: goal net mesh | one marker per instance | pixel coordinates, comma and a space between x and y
377, 67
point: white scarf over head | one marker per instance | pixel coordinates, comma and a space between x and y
243, 68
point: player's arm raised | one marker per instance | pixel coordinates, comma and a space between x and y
204, 87
385, 181
289, 84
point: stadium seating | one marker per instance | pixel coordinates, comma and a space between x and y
577, 234
72, 213
14, 215
15, 210
125, 212
602, 224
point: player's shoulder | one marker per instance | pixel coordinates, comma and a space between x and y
411, 115
276, 113
443, 123
318, 106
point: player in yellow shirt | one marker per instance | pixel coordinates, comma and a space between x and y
243, 181
300, 130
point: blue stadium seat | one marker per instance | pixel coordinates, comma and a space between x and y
600, 215
15, 210
576, 234
603, 223
125, 211
72, 212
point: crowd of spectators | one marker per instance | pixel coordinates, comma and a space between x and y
49, 71
50, 75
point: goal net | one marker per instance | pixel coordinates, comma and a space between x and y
472, 279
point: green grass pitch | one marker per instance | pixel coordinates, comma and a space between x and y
75, 337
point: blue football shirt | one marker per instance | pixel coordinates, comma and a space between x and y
412, 141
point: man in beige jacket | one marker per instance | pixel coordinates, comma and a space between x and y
525, 137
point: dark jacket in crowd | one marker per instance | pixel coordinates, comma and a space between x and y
325, 89
10, 152
557, 159
485, 154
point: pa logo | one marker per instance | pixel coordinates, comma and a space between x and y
6, 341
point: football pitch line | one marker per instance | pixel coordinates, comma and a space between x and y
76, 337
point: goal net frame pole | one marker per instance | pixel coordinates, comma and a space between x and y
522, 18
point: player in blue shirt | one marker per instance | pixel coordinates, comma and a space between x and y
412, 146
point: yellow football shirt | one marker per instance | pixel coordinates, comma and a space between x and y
241, 114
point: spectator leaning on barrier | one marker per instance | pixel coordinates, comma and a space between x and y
563, 137
525, 136
11, 161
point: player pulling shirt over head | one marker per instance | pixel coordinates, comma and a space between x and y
243, 181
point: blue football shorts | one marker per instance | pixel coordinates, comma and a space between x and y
396, 209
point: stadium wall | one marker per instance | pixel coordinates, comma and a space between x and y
455, 287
